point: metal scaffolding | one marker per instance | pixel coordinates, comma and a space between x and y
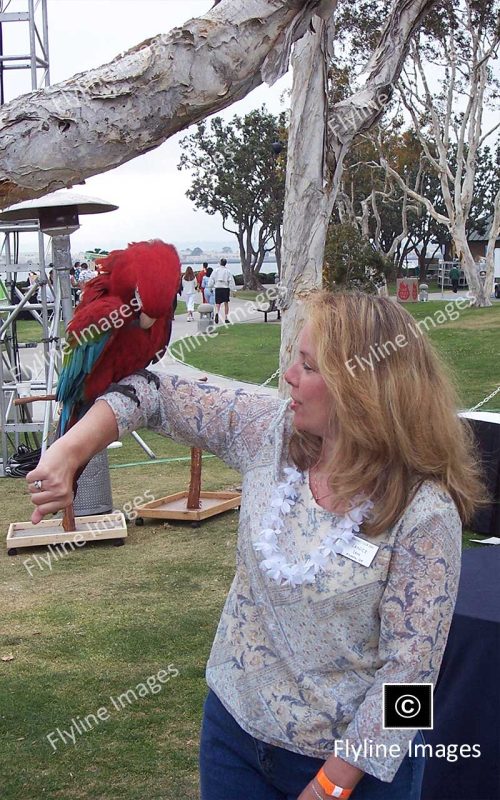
16, 375
32, 13
32, 64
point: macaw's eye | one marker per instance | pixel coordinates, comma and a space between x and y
138, 298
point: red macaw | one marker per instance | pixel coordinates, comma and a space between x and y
122, 322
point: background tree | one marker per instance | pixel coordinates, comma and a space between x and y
327, 128
398, 225
237, 173
486, 187
371, 201
351, 262
457, 52
380, 207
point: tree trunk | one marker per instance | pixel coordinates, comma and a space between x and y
58, 136
308, 187
251, 280
490, 249
422, 266
317, 145
477, 286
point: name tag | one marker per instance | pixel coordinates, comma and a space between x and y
359, 550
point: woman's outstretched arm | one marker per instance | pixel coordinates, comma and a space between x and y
60, 462
232, 424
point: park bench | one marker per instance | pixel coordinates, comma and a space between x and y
268, 308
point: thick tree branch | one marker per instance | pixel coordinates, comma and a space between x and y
415, 195
95, 121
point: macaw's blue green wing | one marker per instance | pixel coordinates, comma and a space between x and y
80, 358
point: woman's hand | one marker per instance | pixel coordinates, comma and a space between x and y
51, 482
57, 467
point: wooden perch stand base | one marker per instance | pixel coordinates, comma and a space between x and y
191, 506
174, 507
93, 528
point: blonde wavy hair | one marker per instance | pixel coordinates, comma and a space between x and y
395, 424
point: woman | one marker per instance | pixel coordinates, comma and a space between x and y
188, 291
348, 549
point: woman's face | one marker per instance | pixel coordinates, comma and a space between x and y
311, 401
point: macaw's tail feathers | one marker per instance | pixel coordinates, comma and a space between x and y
70, 416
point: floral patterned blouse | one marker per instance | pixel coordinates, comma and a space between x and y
301, 667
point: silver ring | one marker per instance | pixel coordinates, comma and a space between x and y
38, 485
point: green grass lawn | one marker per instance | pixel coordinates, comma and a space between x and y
247, 352
469, 345
103, 619
99, 623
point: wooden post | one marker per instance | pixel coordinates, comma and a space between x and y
193, 500
68, 521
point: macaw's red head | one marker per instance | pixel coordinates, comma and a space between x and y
151, 273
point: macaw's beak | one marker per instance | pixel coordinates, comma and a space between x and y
145, 322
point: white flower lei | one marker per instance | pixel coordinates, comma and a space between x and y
275, 565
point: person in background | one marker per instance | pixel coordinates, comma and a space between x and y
51, 289
77, 268
189, 288
209, 294
455, 278
74, 285
222, 281
199, 280
32, 278
86, 275
346, 575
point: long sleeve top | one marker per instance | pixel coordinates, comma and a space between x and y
188, 287
222, 278
303, 667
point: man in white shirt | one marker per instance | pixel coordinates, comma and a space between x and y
85, 275
223, 281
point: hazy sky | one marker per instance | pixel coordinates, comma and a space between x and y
150, 190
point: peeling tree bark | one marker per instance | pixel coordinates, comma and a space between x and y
317, 145
58, 136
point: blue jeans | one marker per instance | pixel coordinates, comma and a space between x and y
235, 765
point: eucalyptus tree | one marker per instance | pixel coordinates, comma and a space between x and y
237, 172
325, 126
447, 87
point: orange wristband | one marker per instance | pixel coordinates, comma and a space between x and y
331, 789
